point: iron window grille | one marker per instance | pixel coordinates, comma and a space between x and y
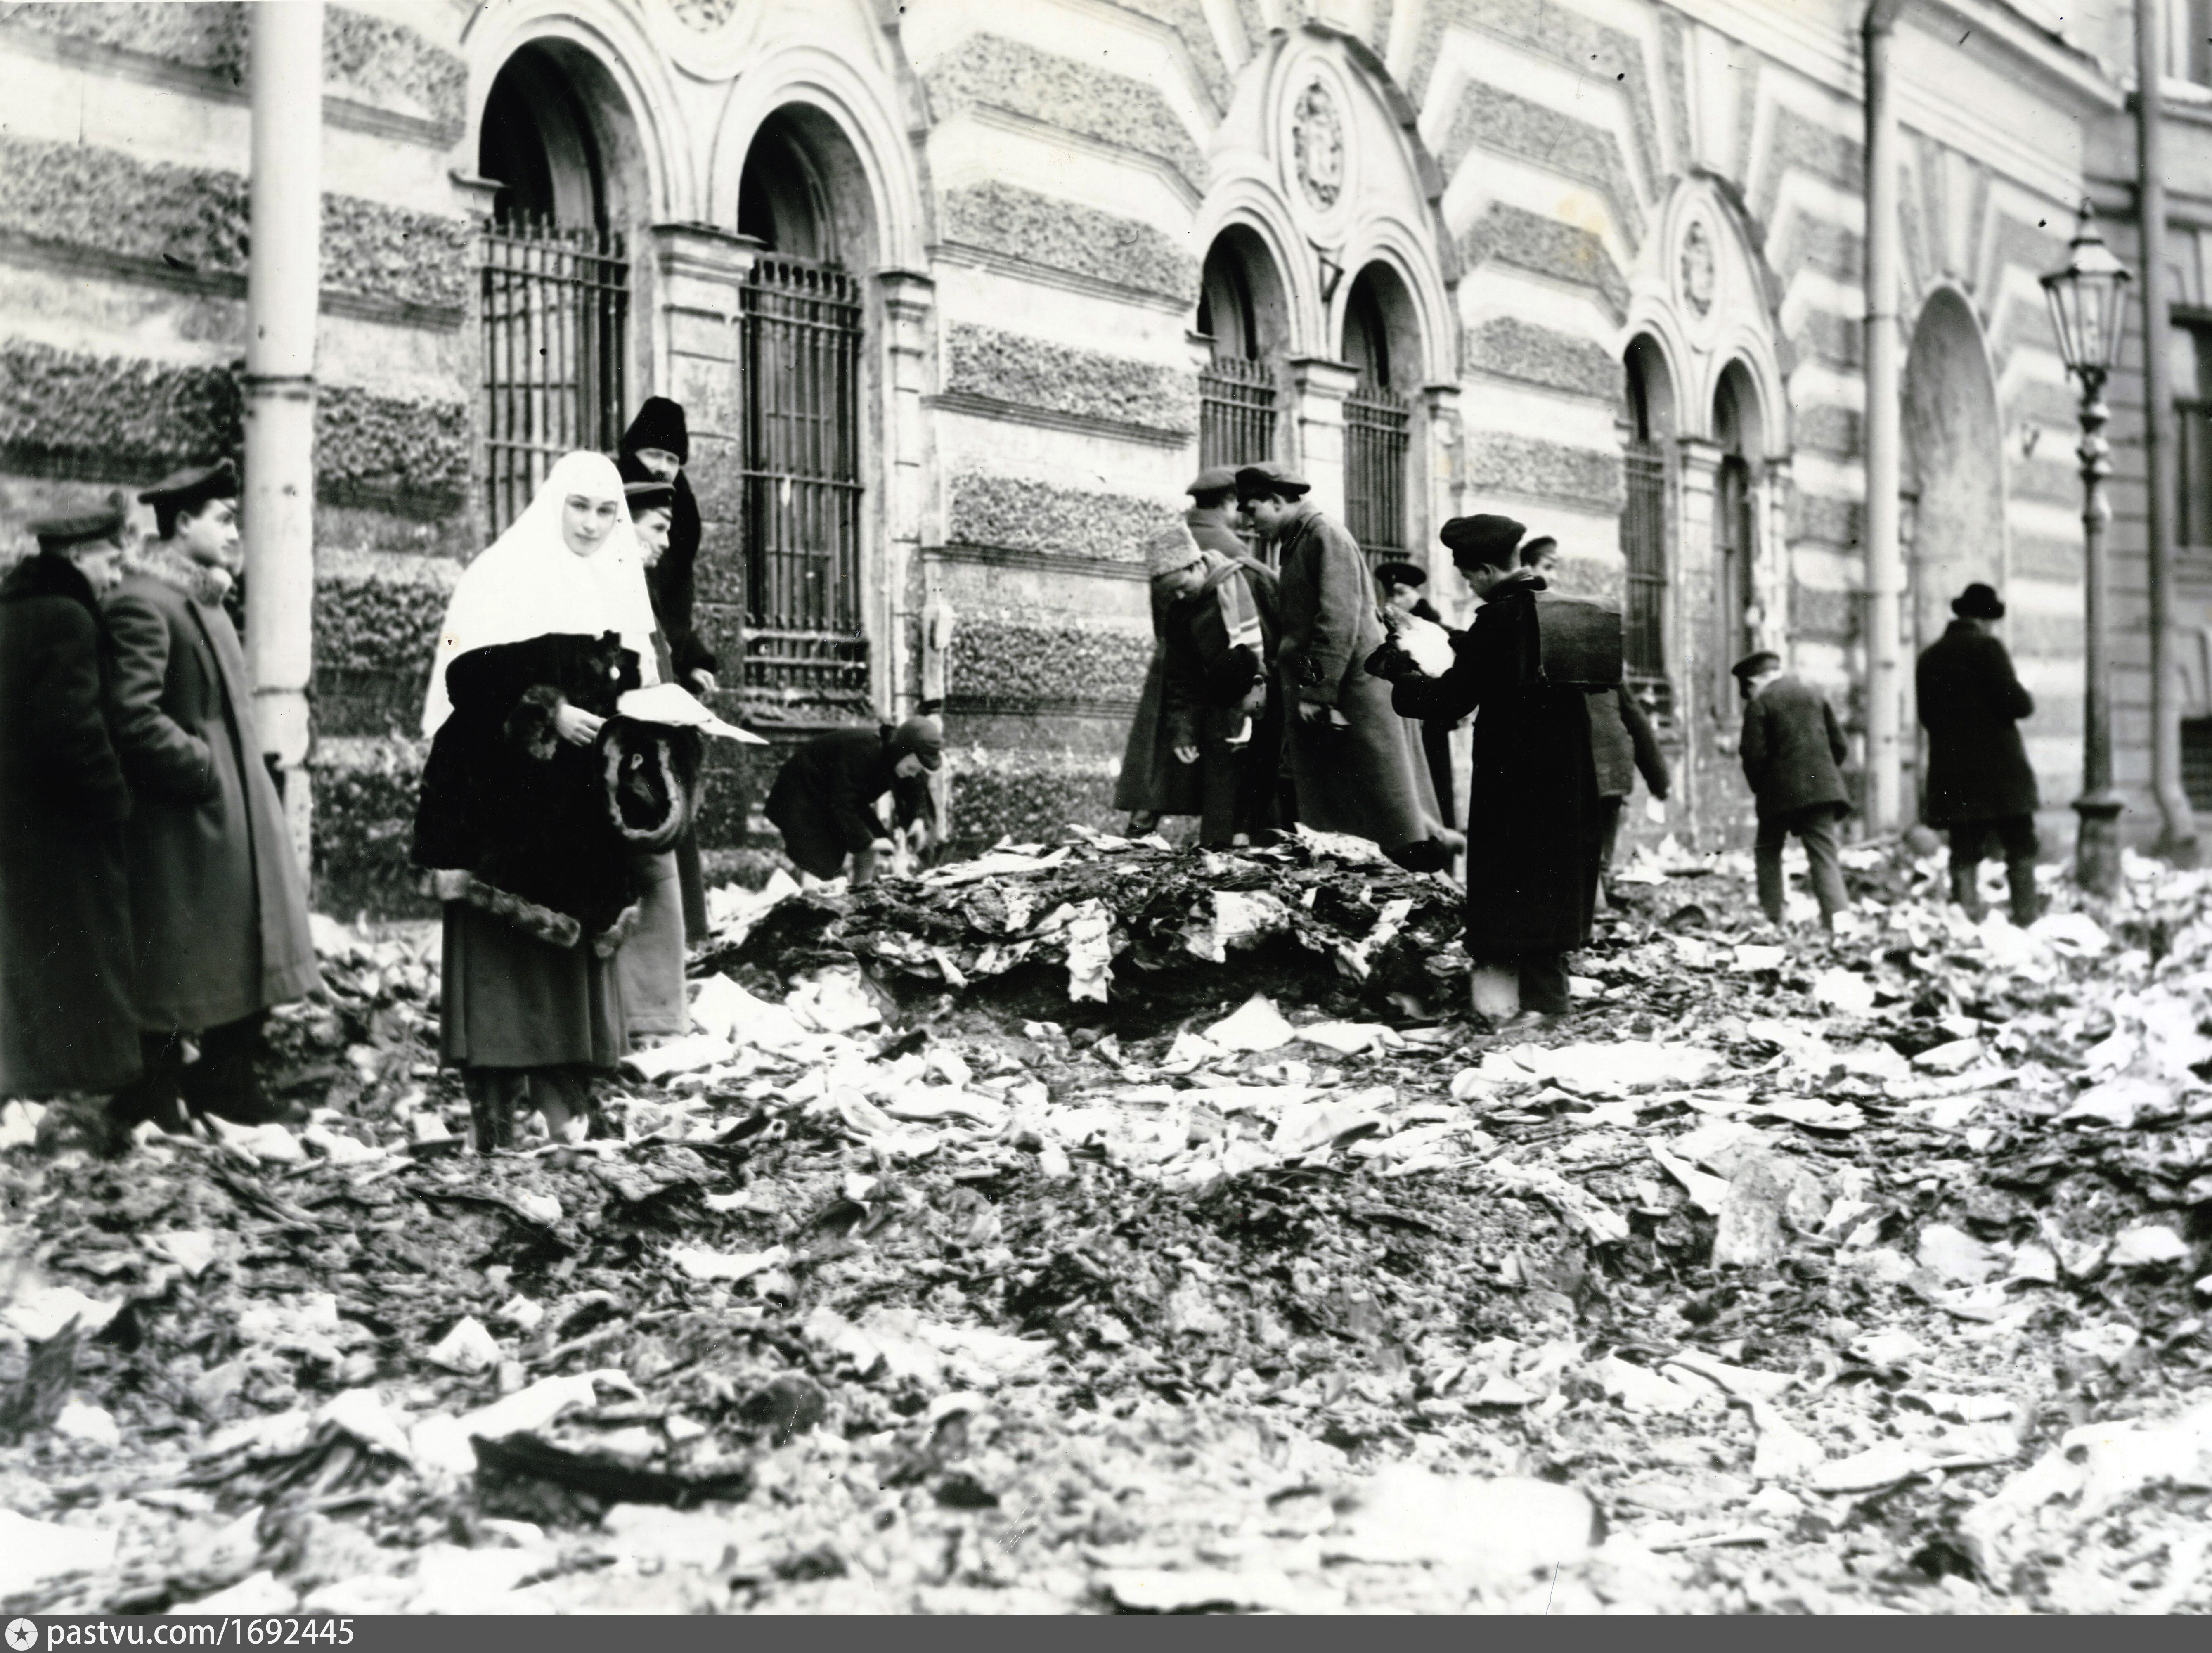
1377, 423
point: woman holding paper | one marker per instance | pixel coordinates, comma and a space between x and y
532, 808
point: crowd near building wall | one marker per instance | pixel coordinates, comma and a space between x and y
959, 294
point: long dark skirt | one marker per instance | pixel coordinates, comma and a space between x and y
510, 1001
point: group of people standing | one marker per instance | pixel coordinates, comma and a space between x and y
153, 910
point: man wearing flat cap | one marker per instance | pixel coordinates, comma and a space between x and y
1979, 784
67, 1020
1792, 750
1152, 784
1352, 764
1217, 650
1533, 820
218, 902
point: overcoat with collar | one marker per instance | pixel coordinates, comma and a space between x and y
66, 1016
218, 902
1971, 703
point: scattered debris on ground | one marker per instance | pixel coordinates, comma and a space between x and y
1097, 1227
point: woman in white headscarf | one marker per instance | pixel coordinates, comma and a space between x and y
532, 1003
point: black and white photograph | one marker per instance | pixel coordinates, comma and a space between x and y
1077, 807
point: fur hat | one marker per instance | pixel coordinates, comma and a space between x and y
660, 423
1482, 540
1978, 602
1170, 549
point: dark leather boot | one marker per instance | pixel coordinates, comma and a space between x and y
2026, 906
1966, 890
493, 1094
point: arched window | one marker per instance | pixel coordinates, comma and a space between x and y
554, 283
1735, 520
1378, 415
1644, 525
1241, 310
803, 326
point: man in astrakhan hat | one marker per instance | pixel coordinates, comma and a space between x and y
67, 1022
1353, 765
1979, 782
218, 900
1533, 818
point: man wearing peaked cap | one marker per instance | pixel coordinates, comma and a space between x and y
66, 1021
1355, 764
1979, 782
1212, 485
218, 901
1792, 750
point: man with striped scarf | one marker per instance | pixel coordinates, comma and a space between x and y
1217, 633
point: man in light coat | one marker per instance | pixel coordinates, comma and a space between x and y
1793, 751
218, 902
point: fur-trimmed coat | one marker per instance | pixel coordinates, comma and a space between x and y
540, 833
66, 1016
218, 898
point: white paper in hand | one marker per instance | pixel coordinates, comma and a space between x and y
672, 704
1427, 644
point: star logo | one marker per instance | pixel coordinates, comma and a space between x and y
22, 1634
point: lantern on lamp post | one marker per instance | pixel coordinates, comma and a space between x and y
2085, 308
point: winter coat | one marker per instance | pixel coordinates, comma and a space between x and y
1212, 686
1533, 820
66, 1017
1358, 776
823, 800
218, 900
1792, 750
539, 832
1971, 703
673, 580
1622, 746
1151, 782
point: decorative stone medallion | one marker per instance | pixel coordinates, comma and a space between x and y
1699, 271
1317, 143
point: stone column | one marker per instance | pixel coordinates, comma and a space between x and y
700, 275
1445, 475
913, 620
1708, 738
1320, 387
283, 290
1773, 582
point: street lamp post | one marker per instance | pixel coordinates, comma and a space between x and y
2086, 311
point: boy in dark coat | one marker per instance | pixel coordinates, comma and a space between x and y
1532, 824
1350, 759
218, 900
1979, 784
823, 801
67, 1022
1792, 750
1623, 746
1152, 784
1219, 637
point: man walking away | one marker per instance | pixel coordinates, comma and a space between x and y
1792, 750
67, 1023
1219, 641
1532, 824
1623, 746
218, 902
1979, 784
1351, 760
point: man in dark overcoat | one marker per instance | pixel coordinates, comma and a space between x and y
1152, 784
656, 448
1351, 762
1979, 784
218, 901
823, 800
1792, 750
1533, 819
1219, 645
67, 1022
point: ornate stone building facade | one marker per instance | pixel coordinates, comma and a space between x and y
959, 294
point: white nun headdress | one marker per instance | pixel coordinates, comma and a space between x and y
529, 584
